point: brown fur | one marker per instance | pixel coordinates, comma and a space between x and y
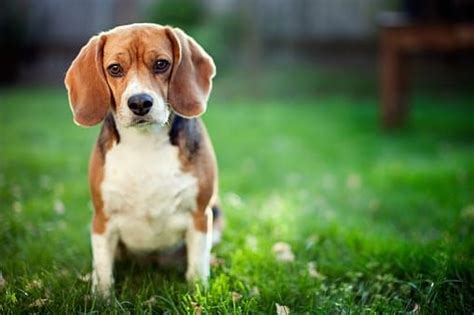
193, 71
89, 94
136, 50
108, 136
202, 164
186, 86
206, 172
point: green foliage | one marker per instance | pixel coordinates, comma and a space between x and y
220, 35
384, 219
186, 14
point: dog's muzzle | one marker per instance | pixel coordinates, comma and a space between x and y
140, 104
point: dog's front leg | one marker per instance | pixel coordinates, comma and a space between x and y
103, 250
198, 244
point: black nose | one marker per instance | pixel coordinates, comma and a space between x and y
140, 104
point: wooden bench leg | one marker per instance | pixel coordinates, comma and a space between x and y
394, 79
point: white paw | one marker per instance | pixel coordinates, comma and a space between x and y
193, 276
101, 287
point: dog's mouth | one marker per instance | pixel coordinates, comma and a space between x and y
143, 122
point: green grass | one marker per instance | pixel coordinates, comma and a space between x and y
387, 218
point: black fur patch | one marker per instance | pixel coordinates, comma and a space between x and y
216, 212
109, 130
187, 129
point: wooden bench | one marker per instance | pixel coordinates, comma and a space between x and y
397, 42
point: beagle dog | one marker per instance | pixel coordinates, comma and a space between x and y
152, 172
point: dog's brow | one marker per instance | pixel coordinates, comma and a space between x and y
156, 53
121, 57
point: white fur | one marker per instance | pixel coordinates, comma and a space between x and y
149, 201
159, 112
103, 250
147, 196
199, 246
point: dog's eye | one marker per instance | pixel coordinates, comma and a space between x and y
161, 66
115, 70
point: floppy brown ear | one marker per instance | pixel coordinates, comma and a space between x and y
191, 76
89, 94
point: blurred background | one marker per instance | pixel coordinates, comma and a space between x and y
275, 47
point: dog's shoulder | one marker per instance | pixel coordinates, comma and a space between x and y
187, 134
108, 136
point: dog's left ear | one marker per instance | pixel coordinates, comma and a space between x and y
191, 76
88, 91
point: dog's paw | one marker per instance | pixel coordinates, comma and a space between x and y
100, 288
194, 277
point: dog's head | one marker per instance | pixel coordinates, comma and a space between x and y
138, 72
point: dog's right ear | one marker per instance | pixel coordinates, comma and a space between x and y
191, 77
89, 94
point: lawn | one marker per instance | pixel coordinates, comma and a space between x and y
376, 221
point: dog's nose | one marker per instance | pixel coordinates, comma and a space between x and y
140, 104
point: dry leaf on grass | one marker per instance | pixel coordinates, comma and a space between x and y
63, 272
59, 206
34, 284
87, 297
468, 212
255, 291
251, 242
282, 309
353, 181
313, 272
197, 308
416, 309
38, 303
17, 207
236, 296
233, 200
150, 301
283, 252
216, 261
85, 278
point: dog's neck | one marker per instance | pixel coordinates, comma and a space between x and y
143, 135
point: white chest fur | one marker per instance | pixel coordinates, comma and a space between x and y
147, 196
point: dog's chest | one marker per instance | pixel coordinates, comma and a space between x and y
147, 196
